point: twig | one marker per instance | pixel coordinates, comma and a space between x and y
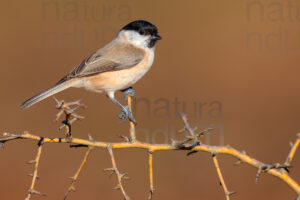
115, 170
132, 125
70, 115
293, 150
36, 162
222, 182
151, 174
75, 177
192, 136
10, 137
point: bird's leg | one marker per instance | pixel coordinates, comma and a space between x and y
125, 114
128, 92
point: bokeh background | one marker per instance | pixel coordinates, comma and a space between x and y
231, 64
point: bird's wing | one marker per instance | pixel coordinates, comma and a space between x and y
112, 57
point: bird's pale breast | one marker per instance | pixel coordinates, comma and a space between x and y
121, 79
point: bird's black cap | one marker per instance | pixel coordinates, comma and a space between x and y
142, 27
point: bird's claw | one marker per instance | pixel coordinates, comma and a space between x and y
125, 115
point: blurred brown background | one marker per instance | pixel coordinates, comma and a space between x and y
233, 63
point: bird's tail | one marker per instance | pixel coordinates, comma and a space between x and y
46, 93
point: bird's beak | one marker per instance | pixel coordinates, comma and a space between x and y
157, 37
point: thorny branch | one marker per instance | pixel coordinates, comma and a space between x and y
68, 109
36, 162
293, 150
114, 170
191, 136
222, 182
191, 143
75, 177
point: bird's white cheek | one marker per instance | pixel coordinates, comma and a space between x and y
138, 40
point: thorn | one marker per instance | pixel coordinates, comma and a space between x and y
55, 99
90, 138
31, 162
74, 109
257, 175
59, 103
291, 144
35, 192
238, 162
195, 128
181, 130
231, 193
126, 178
117, 187
83, 106
109, 169
123, 176
124, 137
205, 131
189, 137
72, 188
31, 175
173, 143
181, 114
151, 194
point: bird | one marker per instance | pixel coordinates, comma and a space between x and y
115, 67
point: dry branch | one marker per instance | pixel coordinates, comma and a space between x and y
192, 143
132, 125
75, 177
151, 174
114, 170
71, 116
222, 182
36, 162
293, 151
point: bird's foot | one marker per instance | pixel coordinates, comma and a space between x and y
128, 92
126, 114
